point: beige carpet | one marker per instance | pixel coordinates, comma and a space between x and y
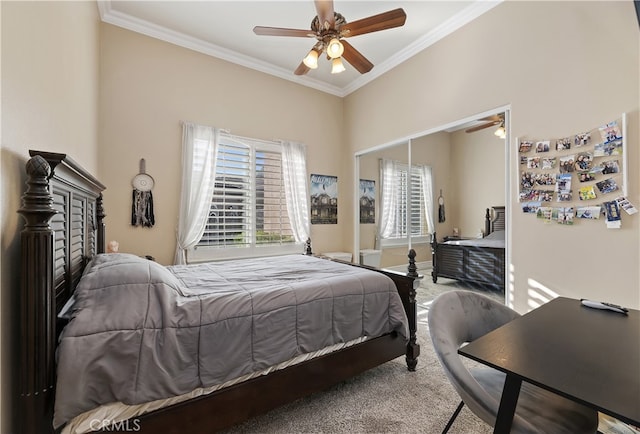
388, 399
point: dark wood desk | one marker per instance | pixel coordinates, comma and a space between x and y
587, 355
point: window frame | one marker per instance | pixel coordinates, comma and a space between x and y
407, 193
203, 253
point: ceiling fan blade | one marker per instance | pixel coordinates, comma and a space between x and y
355, 58
482, 126
374, 23
493, 118
278, 31
302, 69
324, 9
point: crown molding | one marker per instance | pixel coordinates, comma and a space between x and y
116, 18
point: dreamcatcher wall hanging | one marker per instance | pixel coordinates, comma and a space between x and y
142, 198
441, 216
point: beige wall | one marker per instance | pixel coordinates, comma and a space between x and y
149, 86
557, 84
49, 102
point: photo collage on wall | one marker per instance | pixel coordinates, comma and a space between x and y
574, 178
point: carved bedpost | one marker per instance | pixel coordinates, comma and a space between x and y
434, 257
308, 247
100, 215
37, 304
487, 223
413, 348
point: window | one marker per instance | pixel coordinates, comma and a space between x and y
409, 190
248, 209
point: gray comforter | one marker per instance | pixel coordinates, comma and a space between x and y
141, 332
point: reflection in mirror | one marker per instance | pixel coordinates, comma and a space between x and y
468, 175
371, 252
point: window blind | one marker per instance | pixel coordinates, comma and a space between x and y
248, 206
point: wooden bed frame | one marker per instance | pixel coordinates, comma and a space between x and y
476, 264
64, 228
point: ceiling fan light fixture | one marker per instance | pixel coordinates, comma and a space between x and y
335, 48
501, 132
336, 66
311, 60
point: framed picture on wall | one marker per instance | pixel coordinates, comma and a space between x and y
324, 199
367, 201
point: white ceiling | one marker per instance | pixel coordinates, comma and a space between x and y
224, 29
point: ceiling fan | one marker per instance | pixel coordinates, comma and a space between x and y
488, 122
330, 29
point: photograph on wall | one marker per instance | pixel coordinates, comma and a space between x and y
544, 213
546, 196
567, 163
582, 139
596, 169
536, 196
624, 203
324, 199
548, 163
587, 193
545, 179
525, 146
530, 207
588, 212
608, 149
529, 195
533, 163
367, 201
542, 146
527, 179
563, 216
565, 196
563, 182
563, 144
610, 132
610, 167
586, 176
607, 186
612, 212
584, 161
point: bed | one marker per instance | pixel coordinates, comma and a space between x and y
63, 245
480, 261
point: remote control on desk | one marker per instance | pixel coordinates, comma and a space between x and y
603, 305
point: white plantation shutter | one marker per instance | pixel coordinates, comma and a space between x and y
248, 206
417, 209
229, 221
272, 219
406, 200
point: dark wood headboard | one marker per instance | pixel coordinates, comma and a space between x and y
64, 228
494, 221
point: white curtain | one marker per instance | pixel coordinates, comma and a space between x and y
199, 152
388, 197
426, 176
294, 172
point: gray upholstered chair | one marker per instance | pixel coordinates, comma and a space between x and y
457, 317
